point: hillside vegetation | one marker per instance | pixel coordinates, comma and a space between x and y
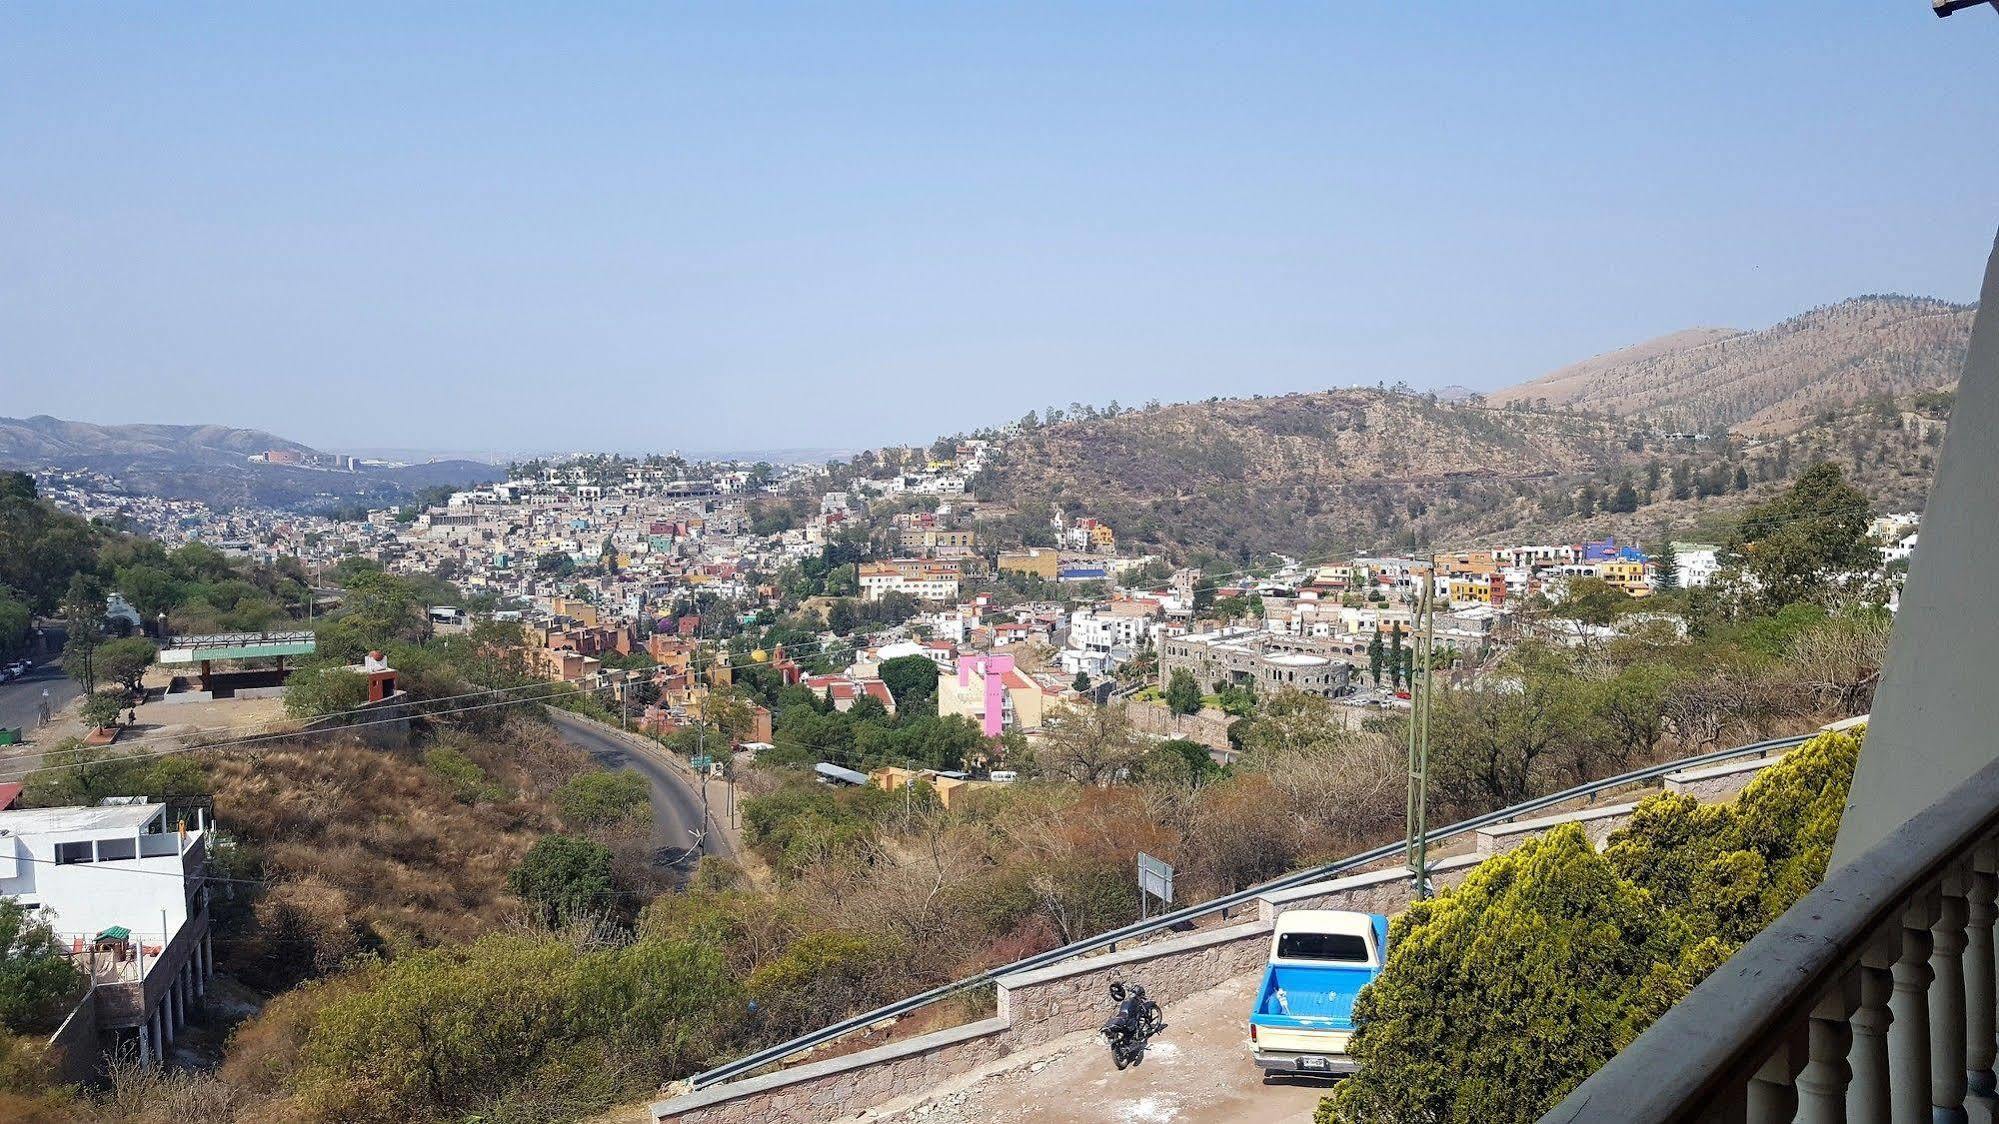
1774, 381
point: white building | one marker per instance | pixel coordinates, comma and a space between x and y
125, 891
1698, 563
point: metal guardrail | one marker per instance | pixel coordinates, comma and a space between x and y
784, 1050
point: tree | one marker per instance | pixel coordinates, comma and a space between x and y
36, 978
1375, 651
125, 661
1500, 996
1805, 544
322, 689
1081, 684
1093, 746
1183, 695
1624, 500
1667, 566
1395, 662
912, 682
102, 708
566, 878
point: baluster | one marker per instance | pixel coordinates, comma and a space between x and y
1981, 1084
1773, 1097
1947, 1015
1822, 1084
1909, 1033
1867, 1097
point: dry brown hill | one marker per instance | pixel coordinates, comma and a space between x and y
1773, 381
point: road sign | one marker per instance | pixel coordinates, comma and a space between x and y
1155, 877
702, 762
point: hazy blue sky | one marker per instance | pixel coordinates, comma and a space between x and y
834, 224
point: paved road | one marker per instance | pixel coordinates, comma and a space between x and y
21, 700
676, 800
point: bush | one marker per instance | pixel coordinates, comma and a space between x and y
469, 782
528, 1023
1502, 995
601, 799
125, 661
566, 878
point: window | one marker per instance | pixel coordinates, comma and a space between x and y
1346, 948
110, 849
73, 853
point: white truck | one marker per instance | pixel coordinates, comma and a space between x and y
1319, 961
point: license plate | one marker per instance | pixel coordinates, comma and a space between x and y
1314, 1063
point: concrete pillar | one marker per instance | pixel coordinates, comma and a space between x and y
1909, 1034
145, 1043
1867, 1095
1822, 1084
1947, 1014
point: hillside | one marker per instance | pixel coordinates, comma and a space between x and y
210, 463
1302, 473
46, 440
1768, 382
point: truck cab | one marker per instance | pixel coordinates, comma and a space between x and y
1319, 961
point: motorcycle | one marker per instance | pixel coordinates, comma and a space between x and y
1132, 1028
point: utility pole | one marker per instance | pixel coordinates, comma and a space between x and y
1417, 844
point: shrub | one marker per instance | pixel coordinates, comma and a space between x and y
469, 782
324, 689
1500, 996
599, 799
566, 878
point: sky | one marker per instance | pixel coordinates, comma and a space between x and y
518, 227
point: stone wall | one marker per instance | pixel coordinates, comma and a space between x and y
846, 1085
1597, 823
1048, 1003
1718, 781
1210, 727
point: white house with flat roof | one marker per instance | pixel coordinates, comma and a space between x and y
124, 887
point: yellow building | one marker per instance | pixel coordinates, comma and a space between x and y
1626, 576
1034, 561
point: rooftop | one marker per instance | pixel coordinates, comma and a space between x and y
56, 821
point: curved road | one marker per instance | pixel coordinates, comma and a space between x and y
676, 799
21, 700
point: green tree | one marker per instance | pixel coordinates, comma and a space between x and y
1375, 652
36, 978
1803, 545
1395, 663
15, 622
566, 878
320, 689
1624, 500
125, 661
1500, 996
1666, 564
102, 708
1081, 684
912, 682
1183, 694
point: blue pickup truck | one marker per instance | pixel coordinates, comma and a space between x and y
1319, 960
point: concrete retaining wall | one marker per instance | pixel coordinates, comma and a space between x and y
1050, 1002
73, 1052
1597, 823
1719, 781
1210, 727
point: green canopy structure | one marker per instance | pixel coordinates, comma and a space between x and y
115, 933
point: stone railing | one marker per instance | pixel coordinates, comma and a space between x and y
1871, 999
